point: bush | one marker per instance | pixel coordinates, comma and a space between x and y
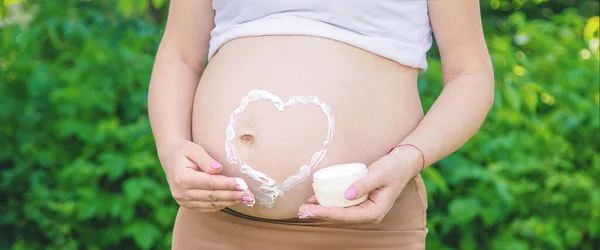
78, 166
527, 180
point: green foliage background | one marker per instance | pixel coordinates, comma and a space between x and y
77, 161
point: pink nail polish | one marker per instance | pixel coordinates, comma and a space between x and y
215, 165
247, 198
239, 188
350, 194
304, 216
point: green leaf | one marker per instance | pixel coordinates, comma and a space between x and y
143, 160
134, 188
158, 3
126, 7
464, 210
504, 192
493, 214
530, 99
435, 177
142, 5
467, 242
573, 237
512, 97
115, 163
165, 214
90, 208
143, 233
116, 206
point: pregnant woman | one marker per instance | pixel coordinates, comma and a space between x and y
298, 85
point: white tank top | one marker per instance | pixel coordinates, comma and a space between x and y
395, 29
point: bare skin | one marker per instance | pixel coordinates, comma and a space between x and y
374, 102
179, 63
454, 118
195, 182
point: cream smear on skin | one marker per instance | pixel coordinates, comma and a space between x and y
270, 188
242, 184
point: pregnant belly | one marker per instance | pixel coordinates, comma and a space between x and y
361, 105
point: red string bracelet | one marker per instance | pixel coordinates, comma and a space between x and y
411, 145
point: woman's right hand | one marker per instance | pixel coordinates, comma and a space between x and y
195, 181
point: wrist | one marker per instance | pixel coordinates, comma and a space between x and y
411, 156
166, 149
166, 146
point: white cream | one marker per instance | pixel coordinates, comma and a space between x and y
269, 187
330, 184
242, 184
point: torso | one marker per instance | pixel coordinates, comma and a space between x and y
373, 100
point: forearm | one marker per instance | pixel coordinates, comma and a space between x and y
454, 118
170, 99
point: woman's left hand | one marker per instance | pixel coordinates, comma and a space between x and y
384, 183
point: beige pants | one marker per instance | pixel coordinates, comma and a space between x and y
403, 228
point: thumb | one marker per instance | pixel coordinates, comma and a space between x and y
198, 156
363, 187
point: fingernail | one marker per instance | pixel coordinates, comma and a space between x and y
350, 194
304, 216
215, 165
249, 201
239, 188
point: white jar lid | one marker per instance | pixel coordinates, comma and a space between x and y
340, 173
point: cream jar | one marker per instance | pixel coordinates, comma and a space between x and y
330, 184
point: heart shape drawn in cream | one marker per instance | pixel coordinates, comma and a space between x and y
269, 187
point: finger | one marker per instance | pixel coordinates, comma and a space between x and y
365, 212
365, 185
198, 155
313, 200
219, 195
192, 179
